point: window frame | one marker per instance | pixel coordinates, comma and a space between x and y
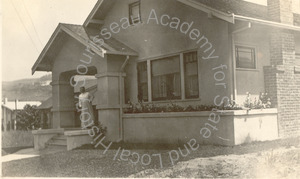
249, 47
139, 84
185, 75
167, 76
182, 76
139, 18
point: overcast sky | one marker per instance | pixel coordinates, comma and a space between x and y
39, 18
27, 26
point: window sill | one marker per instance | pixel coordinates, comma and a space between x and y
247, 69
173, 101
136, 24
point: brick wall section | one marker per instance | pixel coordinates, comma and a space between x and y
283, 86
288, 89
271, 83
281, 80
281, 11
297, 19
282, 47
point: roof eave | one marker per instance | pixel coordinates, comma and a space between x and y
59, 28
210, 11
44, 51
267, 23
93, 12
122, 53
231, 18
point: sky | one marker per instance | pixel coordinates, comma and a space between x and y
27, 26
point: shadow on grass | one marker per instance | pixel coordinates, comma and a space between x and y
11, 150
88, 161
203, 150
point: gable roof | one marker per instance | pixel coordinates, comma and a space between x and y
78, 32
233, 10
244, 8
99, 12
238, 7
228, 10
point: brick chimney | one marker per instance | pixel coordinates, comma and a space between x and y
281, 11
281, 81
282, 42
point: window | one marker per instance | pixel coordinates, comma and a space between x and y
245, 57
142, 82
135, 12
191, 75
166, 79
167, 76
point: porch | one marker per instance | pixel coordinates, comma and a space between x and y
71, 138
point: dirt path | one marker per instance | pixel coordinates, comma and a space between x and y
271, 164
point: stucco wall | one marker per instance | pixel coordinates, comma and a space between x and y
68, 59
152, 40
260, 127
72, 59
248, 80
173, 128
234, 127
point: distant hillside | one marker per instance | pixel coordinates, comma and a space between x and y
37, 89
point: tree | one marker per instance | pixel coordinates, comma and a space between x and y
28, 118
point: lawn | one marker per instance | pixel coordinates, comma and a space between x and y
90, 162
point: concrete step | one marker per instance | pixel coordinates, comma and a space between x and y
59, 140
60, 137
72, 129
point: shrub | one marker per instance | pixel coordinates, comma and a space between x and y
28, 118
263, 102
172, 107
141, 107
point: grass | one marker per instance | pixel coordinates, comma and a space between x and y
17, 139
90, 162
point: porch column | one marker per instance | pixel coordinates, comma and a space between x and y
109, 99
63, 104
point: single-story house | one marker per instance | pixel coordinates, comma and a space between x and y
188, 52
9, 112
8, 118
